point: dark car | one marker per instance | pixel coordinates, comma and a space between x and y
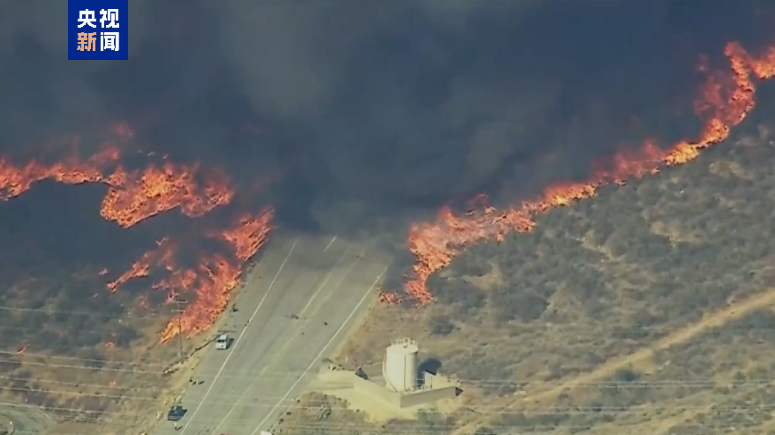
176, 413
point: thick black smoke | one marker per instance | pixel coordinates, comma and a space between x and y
370, 106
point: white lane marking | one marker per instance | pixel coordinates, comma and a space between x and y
329, 244
325, 281
239, 337
316, 360
341, 280
287, 343
306, 322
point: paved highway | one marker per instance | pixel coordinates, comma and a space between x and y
295, 308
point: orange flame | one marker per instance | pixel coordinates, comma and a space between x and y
211, 280
726, 100
142, 267
215, 276
134, 196
15, 180
250, 233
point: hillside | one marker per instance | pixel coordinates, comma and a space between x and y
646, 309
69, 348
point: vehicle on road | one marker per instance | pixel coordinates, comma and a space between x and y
222, 342
176, 413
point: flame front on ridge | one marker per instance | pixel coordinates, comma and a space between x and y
726, 99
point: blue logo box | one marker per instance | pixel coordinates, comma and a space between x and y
97, 29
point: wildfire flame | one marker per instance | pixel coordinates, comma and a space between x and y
15, 180
211, 280
249, 234
142, 267
134, 196
725, 100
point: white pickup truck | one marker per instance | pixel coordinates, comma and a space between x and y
222, 342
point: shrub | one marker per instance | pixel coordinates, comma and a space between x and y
441, 325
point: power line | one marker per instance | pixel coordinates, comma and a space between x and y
135, 363
408, 426
499, 428
262, 403
545, 411
527, 430
73, 331
420, 428
25, 354
266, 401
287, 376
75, 367
75, 313
180, 338
158, 313
284, 374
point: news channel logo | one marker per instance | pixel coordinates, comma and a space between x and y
97, 29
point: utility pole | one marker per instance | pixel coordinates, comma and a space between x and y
178, 312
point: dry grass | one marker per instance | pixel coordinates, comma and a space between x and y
316, 413
90, 392
83, 369
644, 310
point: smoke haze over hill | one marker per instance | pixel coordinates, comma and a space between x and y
389, 106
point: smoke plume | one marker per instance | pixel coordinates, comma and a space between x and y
369, 108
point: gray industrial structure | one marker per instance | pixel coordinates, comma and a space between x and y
399, 382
